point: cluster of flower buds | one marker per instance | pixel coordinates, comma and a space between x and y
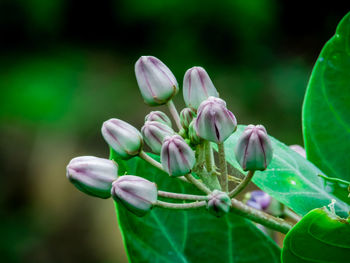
205, 119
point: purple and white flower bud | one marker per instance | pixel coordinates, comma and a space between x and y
254, 150
177, 157
158, 116
197, 87
298, 149
219, 203
92, 175
156, 82
135, 193
124, 138
154, 132
214, 121
186, 117
192, 133
258, 199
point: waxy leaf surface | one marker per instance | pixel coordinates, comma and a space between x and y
326, 110
174, 236
320, 236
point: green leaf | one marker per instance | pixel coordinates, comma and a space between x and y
326, 118
174, 236
338, 187
320, 236
290, 178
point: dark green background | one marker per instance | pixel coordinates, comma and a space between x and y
66, 66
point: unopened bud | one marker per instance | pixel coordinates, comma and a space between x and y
92, 175
254, 150
154, 132
186, 117
197, 87
219, 203
214, 121
258, 199
137, 194
176, 156
192, 134
298, 149
156, 82
158, 116
124, 138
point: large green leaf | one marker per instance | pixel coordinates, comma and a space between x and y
338, 187
290, 178
189, 236
326, 117
320, 236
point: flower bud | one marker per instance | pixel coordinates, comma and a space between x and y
218, 203
176, 156
92, 175
254, 150
258, 199
158, 116
214, 121
156, 82
186, 117
154, 132
137, 194
197, 87
192, 133
124, 138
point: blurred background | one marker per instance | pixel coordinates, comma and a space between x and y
67, 66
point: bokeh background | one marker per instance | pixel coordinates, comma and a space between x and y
66, 66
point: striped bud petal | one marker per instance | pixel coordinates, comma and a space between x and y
254, 150
154, 132
92, 175
219, 203
176, 156
186, 117
158, 116
137, 194
197, 87
156, 82
122, 137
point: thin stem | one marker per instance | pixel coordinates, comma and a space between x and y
223, 167
192, 205
208, 156
150, 160
182, 196
174, 113
197, 183
260, 217
291, 214
242, 185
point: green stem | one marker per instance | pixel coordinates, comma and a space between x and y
174, 113
208, 156
291, 214
150, 160
182, 196
192, 205
197, 183
260, 217
223, 167
242, 185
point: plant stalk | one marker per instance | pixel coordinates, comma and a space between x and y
174, 113
242, 185
182, 196
197, 183
223, 167
192, 205
260, 217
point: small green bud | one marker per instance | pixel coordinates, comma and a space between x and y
214, 121
254, 150
156, 82
92, 175
219, 203
192, 134
154, 132
135, 193
122, 137
197, 87
158, 116
177, 157
186, 117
